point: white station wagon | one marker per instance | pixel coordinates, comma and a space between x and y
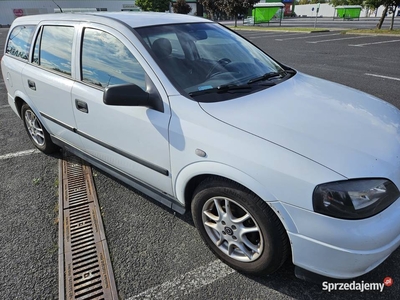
272, 163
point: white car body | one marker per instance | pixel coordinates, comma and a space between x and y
280, 143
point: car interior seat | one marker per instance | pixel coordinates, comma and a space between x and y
181, 70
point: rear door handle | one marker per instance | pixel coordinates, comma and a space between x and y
32, 85
82, 106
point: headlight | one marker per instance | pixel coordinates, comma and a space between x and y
354, 199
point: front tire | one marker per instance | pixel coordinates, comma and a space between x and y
239, 227
37, 133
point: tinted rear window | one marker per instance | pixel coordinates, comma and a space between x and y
19, 41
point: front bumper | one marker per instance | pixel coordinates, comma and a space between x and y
339, 248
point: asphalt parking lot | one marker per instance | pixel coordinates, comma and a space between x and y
157, 254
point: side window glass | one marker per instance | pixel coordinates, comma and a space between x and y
53, 49
106, 61
19, 41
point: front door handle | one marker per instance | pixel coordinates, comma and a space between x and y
81, 105
32, 85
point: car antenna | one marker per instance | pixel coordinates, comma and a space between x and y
57, 5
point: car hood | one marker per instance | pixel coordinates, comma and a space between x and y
348, 131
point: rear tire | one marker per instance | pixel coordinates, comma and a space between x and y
36, 131
239, 227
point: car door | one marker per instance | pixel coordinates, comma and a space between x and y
131, 139
48, 79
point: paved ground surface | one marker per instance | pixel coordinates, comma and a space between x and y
157, 254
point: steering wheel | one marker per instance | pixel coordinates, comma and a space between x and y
222, 62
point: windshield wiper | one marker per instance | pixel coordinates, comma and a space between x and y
223, 88
266, 76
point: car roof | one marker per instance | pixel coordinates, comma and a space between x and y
132, 19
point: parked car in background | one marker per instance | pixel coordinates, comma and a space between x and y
273, 164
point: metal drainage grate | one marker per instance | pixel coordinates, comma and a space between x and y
85, 267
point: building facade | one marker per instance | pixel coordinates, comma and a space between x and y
9, 10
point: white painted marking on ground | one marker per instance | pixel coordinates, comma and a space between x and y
375, 43
4, 106
309, 36
187, 283
348, 38
18, 154
258, 34
382, 76
275, 35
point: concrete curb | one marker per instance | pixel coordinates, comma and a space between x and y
284, 31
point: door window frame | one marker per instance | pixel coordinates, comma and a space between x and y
38, 34
129, 42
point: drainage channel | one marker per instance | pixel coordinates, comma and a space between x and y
85, 270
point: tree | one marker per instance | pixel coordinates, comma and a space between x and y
181, 7
394, 5
373, 4
235, 7
347, 2
153, 5
389, 5
210, 6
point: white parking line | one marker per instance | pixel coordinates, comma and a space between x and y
382, 76
20, 153
4, 106
188, 282
309, 36
375, 43
275, 35
348, 38
258, 34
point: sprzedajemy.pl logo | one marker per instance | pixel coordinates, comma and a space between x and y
357, 286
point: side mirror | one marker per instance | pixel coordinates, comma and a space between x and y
131, 95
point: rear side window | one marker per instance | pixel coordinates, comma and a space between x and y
19, 41
106, 61
53, 48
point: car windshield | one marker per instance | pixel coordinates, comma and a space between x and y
205, 58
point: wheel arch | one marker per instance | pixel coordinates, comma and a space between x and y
20, 99
18, 105
190, 177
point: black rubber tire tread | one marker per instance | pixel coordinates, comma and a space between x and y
276, 242
49, 146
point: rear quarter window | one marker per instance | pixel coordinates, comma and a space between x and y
19, 41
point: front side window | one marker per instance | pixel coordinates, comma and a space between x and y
19, 41
107, 61
53, 48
